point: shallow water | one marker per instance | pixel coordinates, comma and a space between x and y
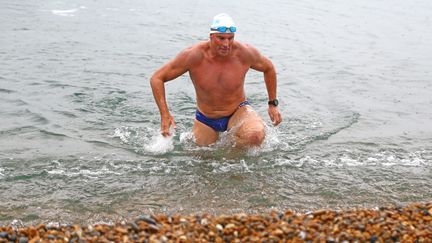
79, 128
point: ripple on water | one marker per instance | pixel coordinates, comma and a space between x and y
67, 114
7, 91
18, 130
14, 102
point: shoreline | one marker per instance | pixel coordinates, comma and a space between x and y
410, 223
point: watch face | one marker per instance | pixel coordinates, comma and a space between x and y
274, 102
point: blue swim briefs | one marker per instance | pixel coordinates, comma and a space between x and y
219, 124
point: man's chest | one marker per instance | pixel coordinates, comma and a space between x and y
211, 75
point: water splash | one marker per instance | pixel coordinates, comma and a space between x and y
160, 144
187, 138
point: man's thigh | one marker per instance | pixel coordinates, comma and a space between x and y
204, 135
246, 116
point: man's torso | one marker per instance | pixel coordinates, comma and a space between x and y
219, 84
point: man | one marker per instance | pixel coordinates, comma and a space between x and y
217, 68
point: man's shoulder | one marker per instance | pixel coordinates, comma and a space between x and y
195, 51
196, 48
190, 55
246, 50
249, 48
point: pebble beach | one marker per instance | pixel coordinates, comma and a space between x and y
411, 223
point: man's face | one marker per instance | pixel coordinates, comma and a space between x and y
222, 42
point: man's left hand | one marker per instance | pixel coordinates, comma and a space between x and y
274, 114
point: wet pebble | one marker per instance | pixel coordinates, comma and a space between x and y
23, 240
146, 219
4, 235
219, 227
134, 226
373, 239
12, 237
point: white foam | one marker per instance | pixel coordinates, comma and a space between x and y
17, 223
160, 144
272, 141
294, 162
254, 151
85, 172
64, 13
57, 172
186, 137
244, 165
53, 224
348, 159
225, 139
123, 134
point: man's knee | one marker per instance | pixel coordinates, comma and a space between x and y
255, 138
251, 134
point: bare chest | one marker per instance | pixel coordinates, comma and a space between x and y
212, 76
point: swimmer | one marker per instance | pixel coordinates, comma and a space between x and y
217, 68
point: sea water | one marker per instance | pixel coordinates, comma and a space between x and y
79, 129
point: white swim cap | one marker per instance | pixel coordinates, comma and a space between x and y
222, 20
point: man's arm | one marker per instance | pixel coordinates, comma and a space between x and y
169, 71
263, 64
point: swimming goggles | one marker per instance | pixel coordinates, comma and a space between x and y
224, 29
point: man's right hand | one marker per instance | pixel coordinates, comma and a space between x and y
166, 123
275, 115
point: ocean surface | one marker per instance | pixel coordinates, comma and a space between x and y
79, 129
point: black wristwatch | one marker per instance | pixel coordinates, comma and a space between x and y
274, 102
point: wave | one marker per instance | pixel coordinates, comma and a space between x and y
299, 133
90, 173
384, 158
19, 130
66, 114
7, 91
108, 73
350, 121
51, 133
64, 13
